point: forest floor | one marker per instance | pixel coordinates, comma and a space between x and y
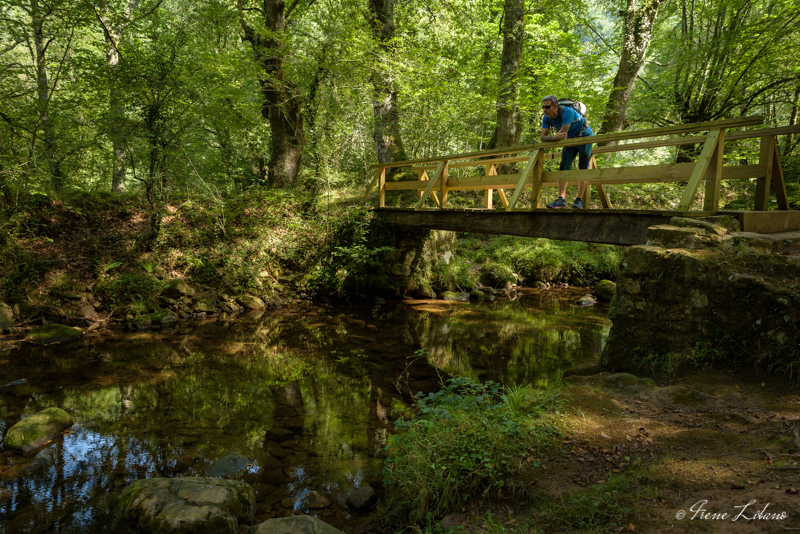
710, 452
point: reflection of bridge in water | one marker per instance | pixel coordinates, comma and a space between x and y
605, 224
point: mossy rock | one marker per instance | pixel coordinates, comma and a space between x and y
37, 429
185, 505
251, 303
627, 380
476, 295
449, 295
605, 290
6, 316
157, 319
51, 334
178, 288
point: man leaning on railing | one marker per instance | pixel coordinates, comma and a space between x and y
569, 124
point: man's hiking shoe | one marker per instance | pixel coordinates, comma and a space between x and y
558, 204
578, 204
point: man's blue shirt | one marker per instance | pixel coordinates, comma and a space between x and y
568, 115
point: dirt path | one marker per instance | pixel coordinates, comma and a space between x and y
712, 452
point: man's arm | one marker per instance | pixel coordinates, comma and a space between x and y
557, 137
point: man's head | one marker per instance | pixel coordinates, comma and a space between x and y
550, 106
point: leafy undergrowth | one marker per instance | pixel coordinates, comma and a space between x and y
647, 458
464, 444
99, 248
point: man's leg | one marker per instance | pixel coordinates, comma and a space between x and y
568, 154
584, 155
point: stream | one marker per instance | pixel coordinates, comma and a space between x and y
304, 394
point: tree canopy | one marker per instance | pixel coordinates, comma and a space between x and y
163, 96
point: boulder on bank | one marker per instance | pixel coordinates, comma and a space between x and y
51, 334
297, 524
178, 288
185, 505
251, 303
605, 290
37, 429
153, 321
6, 317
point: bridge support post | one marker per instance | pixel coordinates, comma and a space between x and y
714, 175
534, 167
769, 159
382, 188
700, 169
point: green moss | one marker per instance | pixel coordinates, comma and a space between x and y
36, 430
52, 333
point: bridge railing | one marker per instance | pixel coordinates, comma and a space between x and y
708, 169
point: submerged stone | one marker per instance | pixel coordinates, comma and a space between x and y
51, 334
586, 300
298, 524
317, 501
230, 464
185, 505
37, 429
362, 499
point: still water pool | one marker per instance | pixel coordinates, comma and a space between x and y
304, 394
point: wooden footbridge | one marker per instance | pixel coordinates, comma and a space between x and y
524, 214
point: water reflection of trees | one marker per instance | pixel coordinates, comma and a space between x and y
513, 343
171, 403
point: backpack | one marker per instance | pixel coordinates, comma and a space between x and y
578, 107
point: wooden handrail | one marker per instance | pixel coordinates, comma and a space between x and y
709, 168
605, 138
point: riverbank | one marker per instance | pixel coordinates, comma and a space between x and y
91, 258
709, 452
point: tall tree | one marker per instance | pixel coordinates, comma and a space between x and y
723, 58
637, 31
282, 105
508, 128
113, 21
386, 130
41, 42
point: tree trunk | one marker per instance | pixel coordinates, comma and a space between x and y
636, 34
43, 94
115, 133
793, 119
113, 33
508, 128
283, 105
386, 130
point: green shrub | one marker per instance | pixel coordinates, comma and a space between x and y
466, 441
495, 274
546, 260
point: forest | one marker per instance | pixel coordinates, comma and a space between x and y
191, 172
169, 100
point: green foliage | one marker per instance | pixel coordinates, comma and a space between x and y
545, 260
495, 274
454, 276
351, 263
139, 289
603, 508
465, 442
